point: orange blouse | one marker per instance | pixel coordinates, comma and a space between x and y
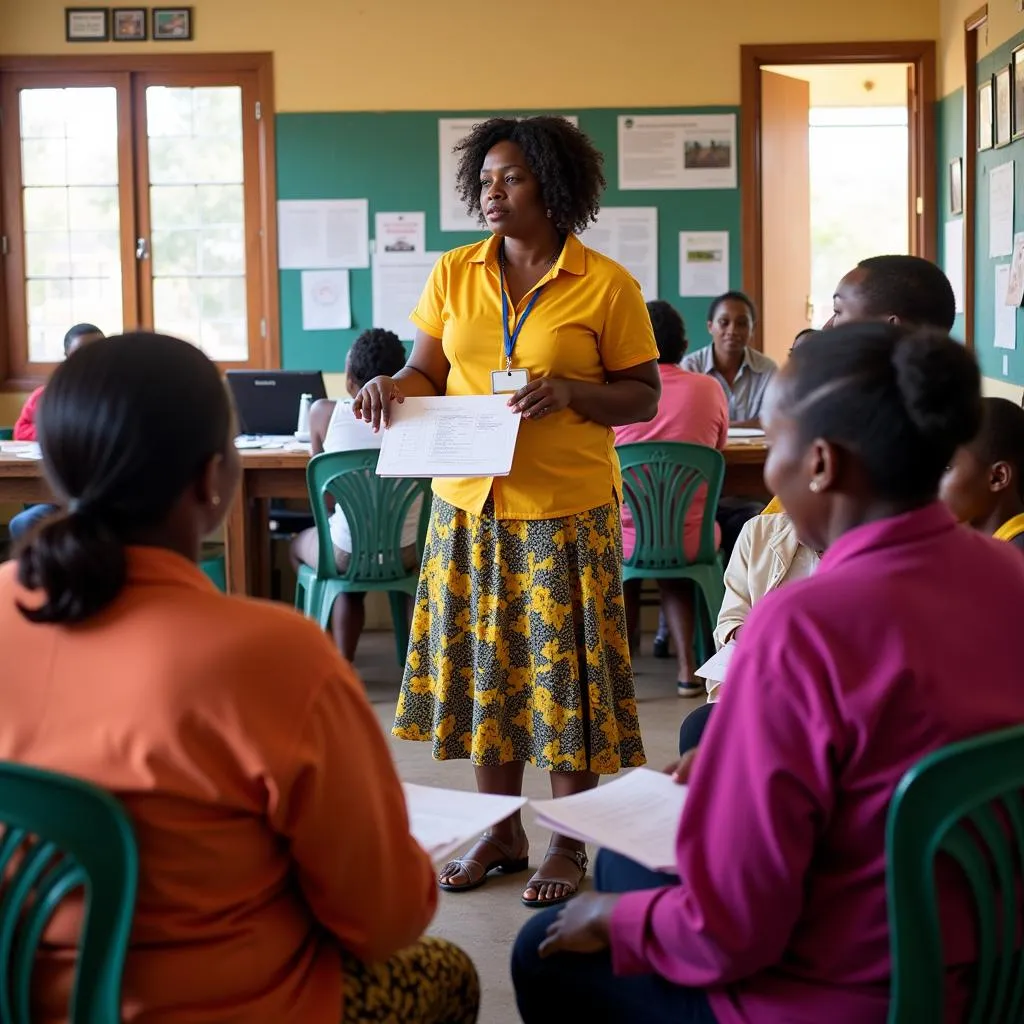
271, 825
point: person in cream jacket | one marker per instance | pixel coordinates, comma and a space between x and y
767, 555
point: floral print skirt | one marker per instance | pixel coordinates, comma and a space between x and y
518, 649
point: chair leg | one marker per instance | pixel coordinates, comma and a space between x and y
400, 620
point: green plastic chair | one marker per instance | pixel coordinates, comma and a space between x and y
63, 834
659, 481
6, 433
965, 801
375, 508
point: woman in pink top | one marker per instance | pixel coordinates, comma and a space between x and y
841, 683
692, 408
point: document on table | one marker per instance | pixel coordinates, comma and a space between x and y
465, 435
444, 820
714, 668
636, 816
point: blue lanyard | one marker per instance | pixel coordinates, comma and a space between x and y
511, 339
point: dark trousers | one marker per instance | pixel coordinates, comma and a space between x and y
693, 726
578, 987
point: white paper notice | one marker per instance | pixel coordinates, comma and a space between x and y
326, 305
1000, 210
468, 436
450, 132
703, 262
1005, 332
629, 235
715, 668
953, 257
669, 151
1015, 287
398, 234
328, 233
443, 820
398, 281
636, 815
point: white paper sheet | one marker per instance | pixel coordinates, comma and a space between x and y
398, 281
736, 433
450, 131
1004, 334
670, 151
325, 233
326, 303
715, 667
629, 235
1000, 210
347, 434
1015, 285
444, 820
953, 257
399, 234
703, 263
461, 436
637, 815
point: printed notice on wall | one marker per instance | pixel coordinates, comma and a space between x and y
398, 234
670, 151
1000, 210
629, 235
1005, 332
326, 305
703, 263
398, 281
326, 234
953, 258
450, 132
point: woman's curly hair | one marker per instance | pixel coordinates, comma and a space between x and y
564, 161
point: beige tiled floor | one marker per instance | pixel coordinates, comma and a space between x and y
486, 922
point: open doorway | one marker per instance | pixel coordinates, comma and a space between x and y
834, 168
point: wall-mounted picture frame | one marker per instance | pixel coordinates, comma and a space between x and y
1002, 86
86, 24
1018, 92
129, 24
956, 186
172, 23
985, 115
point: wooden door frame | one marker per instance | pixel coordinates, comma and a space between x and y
919, 53
972, 26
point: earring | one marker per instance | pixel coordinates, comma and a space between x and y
549, 214
215, 500
815, 486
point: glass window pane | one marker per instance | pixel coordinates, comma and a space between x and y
72, 235
197, 207
45, 209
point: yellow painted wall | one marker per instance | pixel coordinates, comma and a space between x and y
459, 54
1004, 21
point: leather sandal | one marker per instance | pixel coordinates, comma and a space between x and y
578, 857
509, 864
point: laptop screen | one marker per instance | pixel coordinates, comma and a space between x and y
267, 401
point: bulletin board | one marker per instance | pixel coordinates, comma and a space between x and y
391, 159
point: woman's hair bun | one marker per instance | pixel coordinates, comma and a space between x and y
940, 386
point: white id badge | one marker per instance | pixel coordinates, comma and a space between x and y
507, 382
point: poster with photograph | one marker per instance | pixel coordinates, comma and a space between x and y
677, 151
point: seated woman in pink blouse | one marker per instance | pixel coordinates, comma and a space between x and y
841, 682
692, 408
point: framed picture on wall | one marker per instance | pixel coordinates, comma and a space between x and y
956, 186
1018, 92
129, 24
1003, 86
172, 23
985, 115
86, 24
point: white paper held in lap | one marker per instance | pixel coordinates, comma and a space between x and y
444, 820
459, 436
636, 816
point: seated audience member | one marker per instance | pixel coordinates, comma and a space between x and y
374, 353
841, 683
984, 485
278, 880
25, 428
906, 290
692, 408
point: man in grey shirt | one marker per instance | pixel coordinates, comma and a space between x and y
742, 371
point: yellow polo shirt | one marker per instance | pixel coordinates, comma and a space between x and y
589, 318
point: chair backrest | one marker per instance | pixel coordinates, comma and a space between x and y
660, 479
376, 509
61, 834
964, 802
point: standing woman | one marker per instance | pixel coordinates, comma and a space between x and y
519, 650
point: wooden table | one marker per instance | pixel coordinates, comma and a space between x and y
282, 474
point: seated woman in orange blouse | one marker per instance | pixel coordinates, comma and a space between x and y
278, 878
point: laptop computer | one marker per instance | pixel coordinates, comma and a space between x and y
267, 401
